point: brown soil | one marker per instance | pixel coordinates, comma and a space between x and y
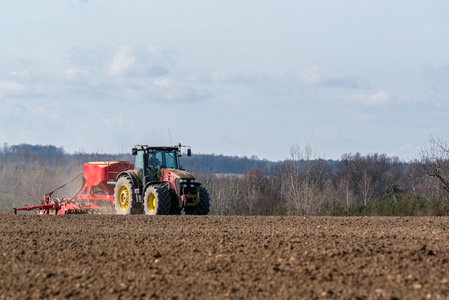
189, 257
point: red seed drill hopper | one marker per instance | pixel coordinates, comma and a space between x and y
95, 196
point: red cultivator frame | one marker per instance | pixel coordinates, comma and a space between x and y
61, 206
95, 196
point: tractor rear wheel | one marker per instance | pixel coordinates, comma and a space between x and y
122, 196
156, 200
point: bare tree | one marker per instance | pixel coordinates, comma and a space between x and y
366, 175
303, 181
433, 161
224, 191
252, 188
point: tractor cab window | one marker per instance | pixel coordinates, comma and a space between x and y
155, 160
162, 159
170, 160
138, 163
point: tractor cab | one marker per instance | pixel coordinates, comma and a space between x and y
150, 160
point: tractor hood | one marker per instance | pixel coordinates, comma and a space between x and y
175, 173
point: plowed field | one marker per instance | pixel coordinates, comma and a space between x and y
190, 257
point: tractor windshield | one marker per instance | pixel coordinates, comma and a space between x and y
163, 159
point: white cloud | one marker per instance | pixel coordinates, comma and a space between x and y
228, 77
11, 88
225, 77
139, 62
125, 73
76, 3
111, 121
234, 77
44, 112
15, 83
166, 83
316, 76
24, 74
177, 91
122, 62
75, 74
374, 99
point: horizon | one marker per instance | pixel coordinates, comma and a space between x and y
251, 157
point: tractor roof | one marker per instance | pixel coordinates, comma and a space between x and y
145, 147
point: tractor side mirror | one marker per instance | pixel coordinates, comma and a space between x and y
134, 151
189, 152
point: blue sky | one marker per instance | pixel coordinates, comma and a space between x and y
226, 77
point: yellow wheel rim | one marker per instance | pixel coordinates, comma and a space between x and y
123, 198
151, 202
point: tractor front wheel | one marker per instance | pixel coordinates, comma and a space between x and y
203, 207
156, 200
122, 196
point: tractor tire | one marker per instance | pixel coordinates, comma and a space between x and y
203, 207
175, 210
190, 211
156, 200
123, 203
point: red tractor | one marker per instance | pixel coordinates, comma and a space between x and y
158, 185
155, 185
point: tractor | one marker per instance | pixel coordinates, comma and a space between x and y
158, 185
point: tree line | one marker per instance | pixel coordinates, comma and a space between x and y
371, 185
303, 184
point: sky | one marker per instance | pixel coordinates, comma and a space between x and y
245, 78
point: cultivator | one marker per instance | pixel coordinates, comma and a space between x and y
62, 206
